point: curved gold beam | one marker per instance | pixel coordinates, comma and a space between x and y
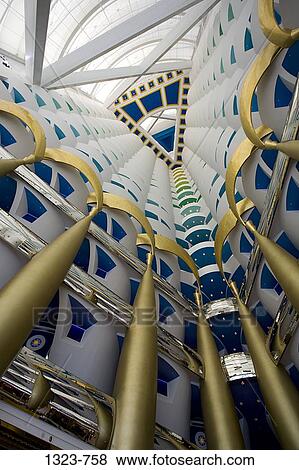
274, 33
240, 156
280, 394
6, 166
226, 226
104, 422
251, 81
41, 394
25, 116
119, 203
166, 244
67, 158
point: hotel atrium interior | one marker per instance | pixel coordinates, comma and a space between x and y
149, 192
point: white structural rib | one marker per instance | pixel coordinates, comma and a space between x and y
115, 37
104, 75
195, 14
36, 27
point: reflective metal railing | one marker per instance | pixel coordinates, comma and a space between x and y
238, 366
73, 406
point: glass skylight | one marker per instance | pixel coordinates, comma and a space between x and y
73, 23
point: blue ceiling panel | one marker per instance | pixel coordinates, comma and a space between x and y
166, 138
133, 111
152, 101
172, 93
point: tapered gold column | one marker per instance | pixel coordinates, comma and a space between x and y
280, 394
283, 265
30, 291
9, 165
220, 418
135, 389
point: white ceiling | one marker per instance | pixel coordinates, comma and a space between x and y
73, 23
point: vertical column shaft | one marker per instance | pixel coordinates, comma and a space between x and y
220, 417
279, 392
135, 389
30, 291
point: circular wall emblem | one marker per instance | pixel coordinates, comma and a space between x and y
36, 342
200, 440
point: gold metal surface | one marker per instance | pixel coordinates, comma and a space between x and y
30, 291
220, 418
6, 166
256, 72
135, 388
282, 332
25, 116
75, 414
9, 165
284, 266
67, 158
176, 441
198, 298
226, 226
275, 342
218, 405
251, 81
240, 156
124, 205
166, 244
41, 394
105, 421
289, 148
274, 33
280, 394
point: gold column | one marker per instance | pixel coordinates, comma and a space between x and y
220, 417
30, 291
283, 265
135, 389
280, 394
